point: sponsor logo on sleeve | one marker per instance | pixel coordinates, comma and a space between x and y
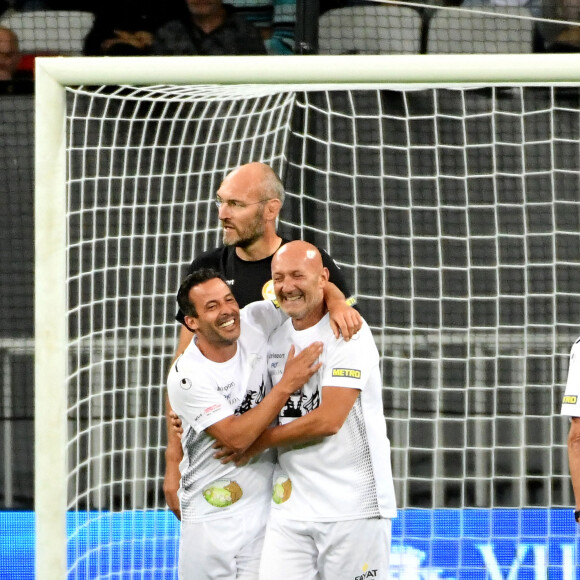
569, 400
349, 373
212, 409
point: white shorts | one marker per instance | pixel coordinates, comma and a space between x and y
223, 549
326, 550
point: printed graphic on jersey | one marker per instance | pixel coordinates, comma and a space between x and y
299, 405
350, 373
185, 384
569, 400
251, 399
282, 489
222, 493
268, 292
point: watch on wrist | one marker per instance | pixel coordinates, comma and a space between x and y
577, 516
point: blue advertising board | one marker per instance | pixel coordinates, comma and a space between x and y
470, 544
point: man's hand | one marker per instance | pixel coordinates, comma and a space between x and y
344, 320
175, 423
141, 39
173, 456
172, 479
297, 371
299, 368
227, 455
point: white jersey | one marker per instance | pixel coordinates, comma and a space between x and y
203, 392
348, 475
571, 400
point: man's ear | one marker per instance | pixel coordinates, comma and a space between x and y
190, 323
272, 209
324, 277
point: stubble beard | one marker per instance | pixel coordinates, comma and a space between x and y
248, 236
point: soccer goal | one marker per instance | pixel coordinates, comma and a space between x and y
446, 188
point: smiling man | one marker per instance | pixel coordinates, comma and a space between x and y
333, 496
220, 389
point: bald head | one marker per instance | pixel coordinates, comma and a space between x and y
255, 178
299, 278
249, 201
299, 253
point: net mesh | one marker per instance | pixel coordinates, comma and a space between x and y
454, 216
16, 299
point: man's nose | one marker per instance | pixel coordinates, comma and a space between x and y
227, 310
286, 285
224, 211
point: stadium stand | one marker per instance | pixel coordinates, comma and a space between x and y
377, 29
59, 32
490, 29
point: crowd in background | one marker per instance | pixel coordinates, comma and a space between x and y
212, 27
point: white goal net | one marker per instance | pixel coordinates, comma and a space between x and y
453, 211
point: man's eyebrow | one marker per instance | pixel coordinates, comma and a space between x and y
290, 273
219, 198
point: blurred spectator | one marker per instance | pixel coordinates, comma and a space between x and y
275, 19
9, 55
550, 36
126, 27
558, 37
211, 28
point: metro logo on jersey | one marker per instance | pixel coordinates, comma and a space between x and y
350, 373
569, 400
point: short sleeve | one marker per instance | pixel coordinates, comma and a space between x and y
571, 399
349, 364
194, 398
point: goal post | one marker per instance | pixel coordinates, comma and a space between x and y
442, 323
50, 369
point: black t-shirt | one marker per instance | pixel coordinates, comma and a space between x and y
183, 37
250, 280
